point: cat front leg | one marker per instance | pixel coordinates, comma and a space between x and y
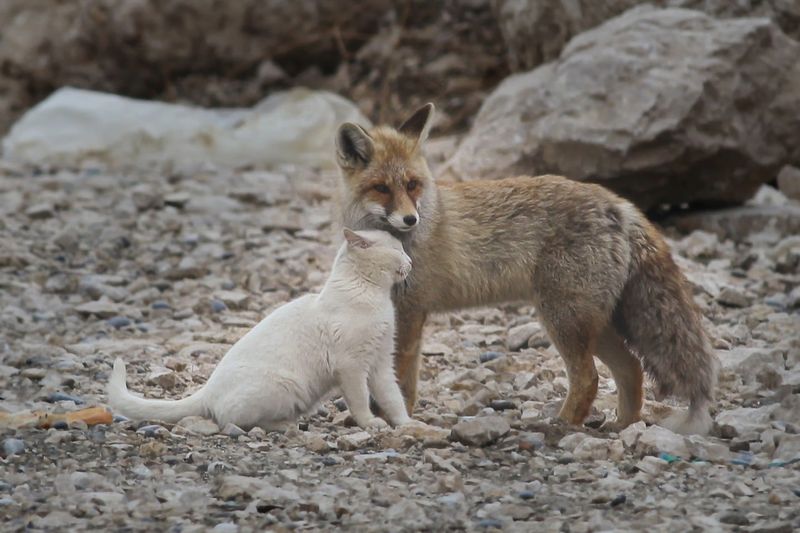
384, 388
353, 382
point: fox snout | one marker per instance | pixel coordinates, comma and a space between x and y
403, 221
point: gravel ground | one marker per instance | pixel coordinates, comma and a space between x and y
168, 273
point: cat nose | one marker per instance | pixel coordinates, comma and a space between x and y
410, 220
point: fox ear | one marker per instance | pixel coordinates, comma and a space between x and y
354, 146
356, 240
419, 125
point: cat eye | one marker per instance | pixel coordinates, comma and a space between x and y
413, 184
381, 188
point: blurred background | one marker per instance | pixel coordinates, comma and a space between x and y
668, 107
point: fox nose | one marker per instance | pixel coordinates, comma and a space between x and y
410, 220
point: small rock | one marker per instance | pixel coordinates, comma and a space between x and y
502, 405
40, 211
198, 425
477, 402
54, 397
35, 374
652, 465
592, 448
232, 299
518, 335
655, 440
485, 357
232, 430
735, 518
434, 349
618, 500
164, 378
480, 431
142, 472
218, 306
187, 268
145, 197
160, 304
733, 298
354, 441
119, 322
153, 430
12, 446
100, 308
317, 443
177, 199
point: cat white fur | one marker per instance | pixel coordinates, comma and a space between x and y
281, 369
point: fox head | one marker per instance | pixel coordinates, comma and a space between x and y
386, 180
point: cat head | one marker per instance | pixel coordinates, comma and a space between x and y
377, 255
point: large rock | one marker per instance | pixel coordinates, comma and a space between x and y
215, 52
74, 126
535, 31
661, 105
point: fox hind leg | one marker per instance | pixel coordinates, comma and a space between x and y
628, 376
574, 342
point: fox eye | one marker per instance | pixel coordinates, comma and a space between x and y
381, 188
413, 184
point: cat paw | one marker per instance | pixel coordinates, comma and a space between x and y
375, 423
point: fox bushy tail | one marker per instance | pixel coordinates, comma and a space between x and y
138, 408
661, 322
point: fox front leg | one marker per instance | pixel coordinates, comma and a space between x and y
407, 353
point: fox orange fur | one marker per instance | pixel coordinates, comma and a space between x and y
598, 272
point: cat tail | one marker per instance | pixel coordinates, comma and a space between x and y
138, 408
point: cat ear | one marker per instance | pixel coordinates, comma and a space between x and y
419, 124
354, 146
356, 240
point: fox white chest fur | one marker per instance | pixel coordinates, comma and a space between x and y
343, 336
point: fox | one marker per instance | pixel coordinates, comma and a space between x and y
597, 271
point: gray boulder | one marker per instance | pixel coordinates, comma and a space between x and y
660, 105
535, 31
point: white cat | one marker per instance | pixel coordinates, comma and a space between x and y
343, 336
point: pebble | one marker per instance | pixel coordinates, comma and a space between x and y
54, 397
12, 446
118, 322
218, 306
490, 356
733, 298
353, 441
232, 430
480, 431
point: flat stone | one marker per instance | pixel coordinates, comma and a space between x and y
733, 298
40, 211
100, 308
480, 431
354, 441
233, 299
655, 440
232, 430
